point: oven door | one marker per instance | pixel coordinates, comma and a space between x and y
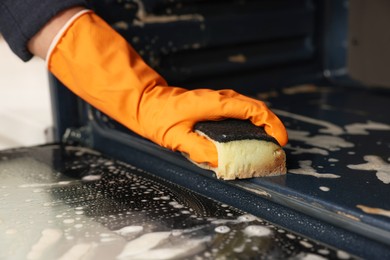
148, 200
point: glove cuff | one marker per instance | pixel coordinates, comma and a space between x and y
61, 32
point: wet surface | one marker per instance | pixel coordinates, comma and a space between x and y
338, 156
338, 161
64, 202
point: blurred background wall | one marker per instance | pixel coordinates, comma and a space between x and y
25, 110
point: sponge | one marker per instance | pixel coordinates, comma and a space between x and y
244, 150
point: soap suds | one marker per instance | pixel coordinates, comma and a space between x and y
374, 163
305, 244
257, 231
329, 128
48, 238
300, 150
222, 229
374, 211
129, 230
331, 143
77, 252
323, 251
91, 178
247, 218
143, 244
343, 255
309, 256
49, 185
291, 236
68, 221
323, 188
157, 246
362, 129
306, 169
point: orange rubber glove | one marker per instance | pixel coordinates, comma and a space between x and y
98, 65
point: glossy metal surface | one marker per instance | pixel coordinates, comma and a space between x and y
338, 156
336, 187
64, 202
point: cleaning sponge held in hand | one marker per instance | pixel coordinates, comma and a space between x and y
244, 150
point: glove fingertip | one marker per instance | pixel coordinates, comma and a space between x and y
279, 133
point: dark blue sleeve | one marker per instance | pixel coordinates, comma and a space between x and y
20, 20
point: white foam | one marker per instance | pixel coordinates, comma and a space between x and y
257, 231
44, 185
77, 252
157, 245
129, 230
239, 249
328, 127
323, 251
323, 188
328, 142
291, 236
309, 256
222, 229
343, 255
375, 211
91, 178
300, 150
163, 253
78, 225
176, 205
68, 221
247, 218
374, 163
306, 244
362, 129
48, 238
240, 219
142, 244
306, 169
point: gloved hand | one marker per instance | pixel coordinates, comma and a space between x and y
98, 65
